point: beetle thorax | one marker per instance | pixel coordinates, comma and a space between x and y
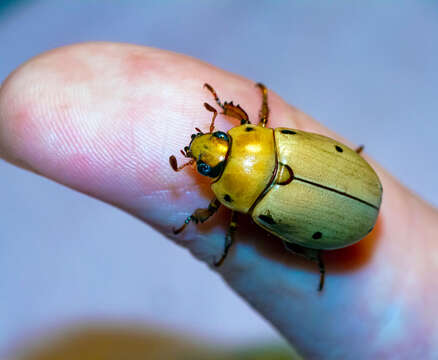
249, 167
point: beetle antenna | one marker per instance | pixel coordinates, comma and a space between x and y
214, 111
173, 163
199, 131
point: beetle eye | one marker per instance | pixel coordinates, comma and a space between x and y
193, 136
203, 168
221, 135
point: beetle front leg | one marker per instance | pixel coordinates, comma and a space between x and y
313, 255
229, 108
264, 111
200, 215
229, 238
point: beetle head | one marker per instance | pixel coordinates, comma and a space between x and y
209, 151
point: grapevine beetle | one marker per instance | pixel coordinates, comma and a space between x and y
309, 190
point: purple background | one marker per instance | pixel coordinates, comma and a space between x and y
365, 69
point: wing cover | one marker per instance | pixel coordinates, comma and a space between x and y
333, 200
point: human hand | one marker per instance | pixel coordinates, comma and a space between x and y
104, 118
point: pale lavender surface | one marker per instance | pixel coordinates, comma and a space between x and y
366, 70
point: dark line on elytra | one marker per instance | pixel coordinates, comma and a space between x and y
336, 191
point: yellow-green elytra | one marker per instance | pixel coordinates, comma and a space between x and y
309, 190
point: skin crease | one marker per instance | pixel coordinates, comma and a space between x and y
104, 118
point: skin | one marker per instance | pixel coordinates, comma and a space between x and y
104, 118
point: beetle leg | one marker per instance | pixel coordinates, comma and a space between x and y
228, 108
321, 271
228, 238
264, 111
213, 110
313, 255
200, 215
359, 149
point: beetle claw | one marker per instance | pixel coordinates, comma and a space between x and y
180, 229
220, 261
321, 282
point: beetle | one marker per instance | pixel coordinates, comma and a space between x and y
309, 190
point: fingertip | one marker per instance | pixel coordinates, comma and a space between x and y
105, 119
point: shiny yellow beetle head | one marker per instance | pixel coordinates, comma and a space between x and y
208, 150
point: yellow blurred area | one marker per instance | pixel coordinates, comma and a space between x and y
114, 342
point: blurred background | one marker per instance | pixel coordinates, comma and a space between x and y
368, 70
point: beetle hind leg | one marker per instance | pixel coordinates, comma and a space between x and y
200, 215
313, 255
229, 238
321, 271
359, 149
264, 111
